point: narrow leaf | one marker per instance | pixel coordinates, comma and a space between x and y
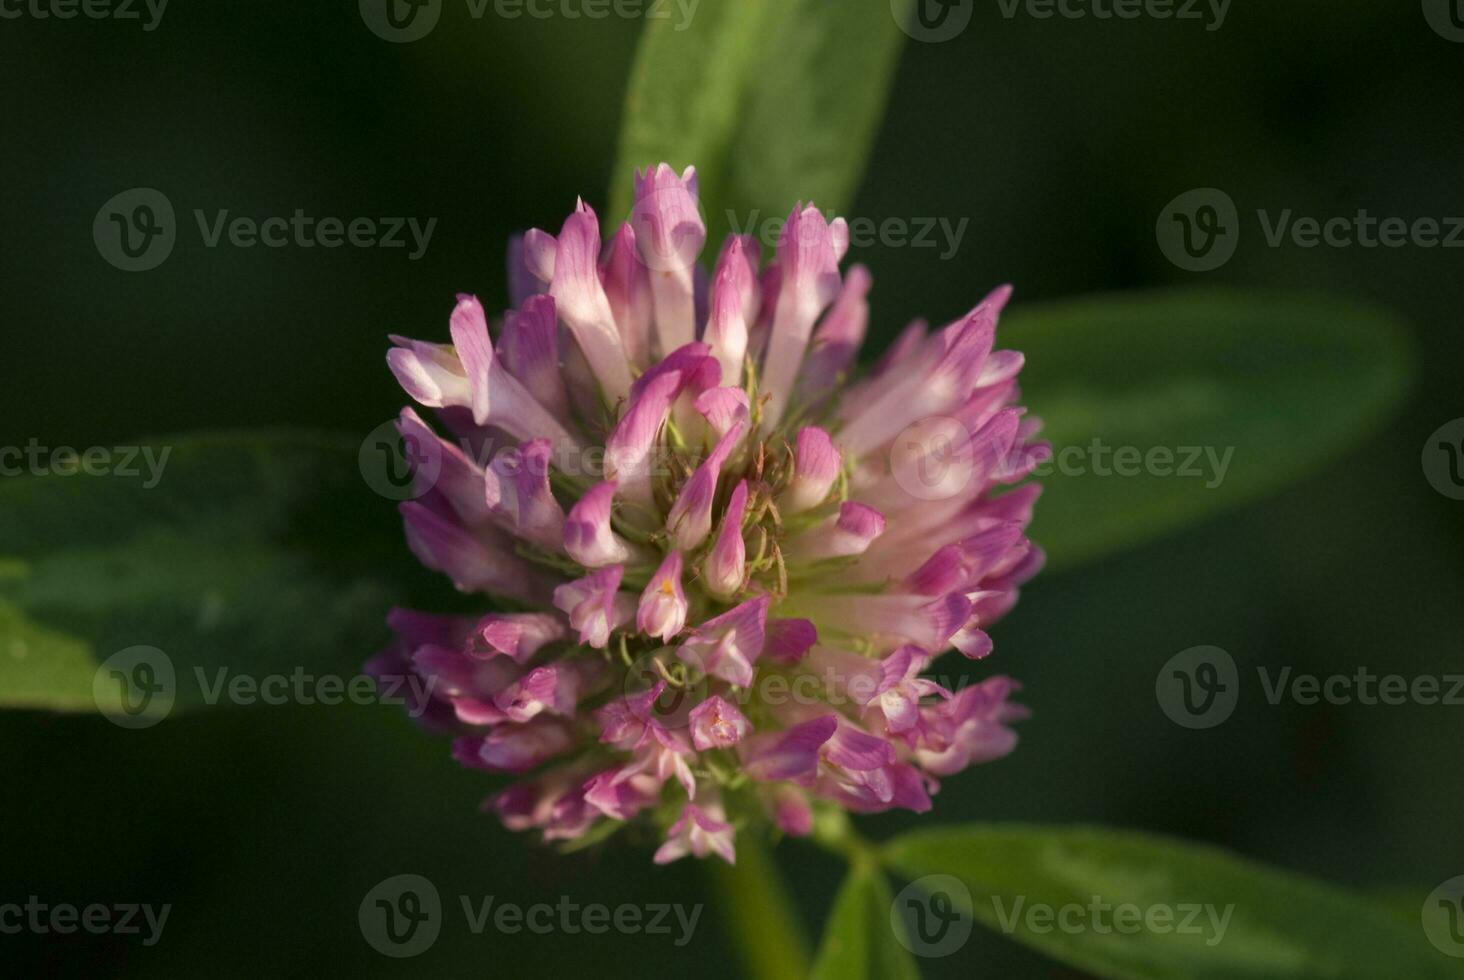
773, 101
859, 942
1142, 907
1164, 409
263, 555
763, 922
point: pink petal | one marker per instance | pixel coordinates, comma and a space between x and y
583, 305
669, 234
588, 537
726, 566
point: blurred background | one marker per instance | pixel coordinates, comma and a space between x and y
1061, 141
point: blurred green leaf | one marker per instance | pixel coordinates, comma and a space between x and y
1279, 925
859, 942
763, 923
42, 667
1215, 398
255, 554
773, 101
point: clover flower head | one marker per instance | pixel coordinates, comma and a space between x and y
719, 560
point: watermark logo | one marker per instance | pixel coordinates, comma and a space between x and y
933, 21
401, 916
1443, 917
670, 228
1199, 230
930, 916
1199, 687
401, 21
135, 688
399, 466
1446, 17
1443, 459
136, 229
686, 687
931, 459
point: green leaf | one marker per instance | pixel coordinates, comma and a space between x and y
1264, 388
257, 554
859, 942
42, 667
773, 101
1279, 924
765, 927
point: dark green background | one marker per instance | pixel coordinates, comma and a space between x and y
1060, 140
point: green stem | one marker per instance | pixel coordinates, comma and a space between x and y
765, 929
834, 831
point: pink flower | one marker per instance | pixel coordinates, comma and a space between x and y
815, 468
700, 830
594, 606
726, 564
727, 645
519, 636
722, 561
587, 533
715, 724
663, 607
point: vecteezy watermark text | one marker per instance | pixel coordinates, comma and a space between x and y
1215, 10
569, 918
137, 229
1200, 230
945, 234
931, 917
1209, 463
304, 231
403, 21
1114, 918
1363, 687
823, 686
682, 11
148, 12
403, 915
935, 21
98, 919
1200, 687
137, 687
406, 466
304, 688
128, 462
